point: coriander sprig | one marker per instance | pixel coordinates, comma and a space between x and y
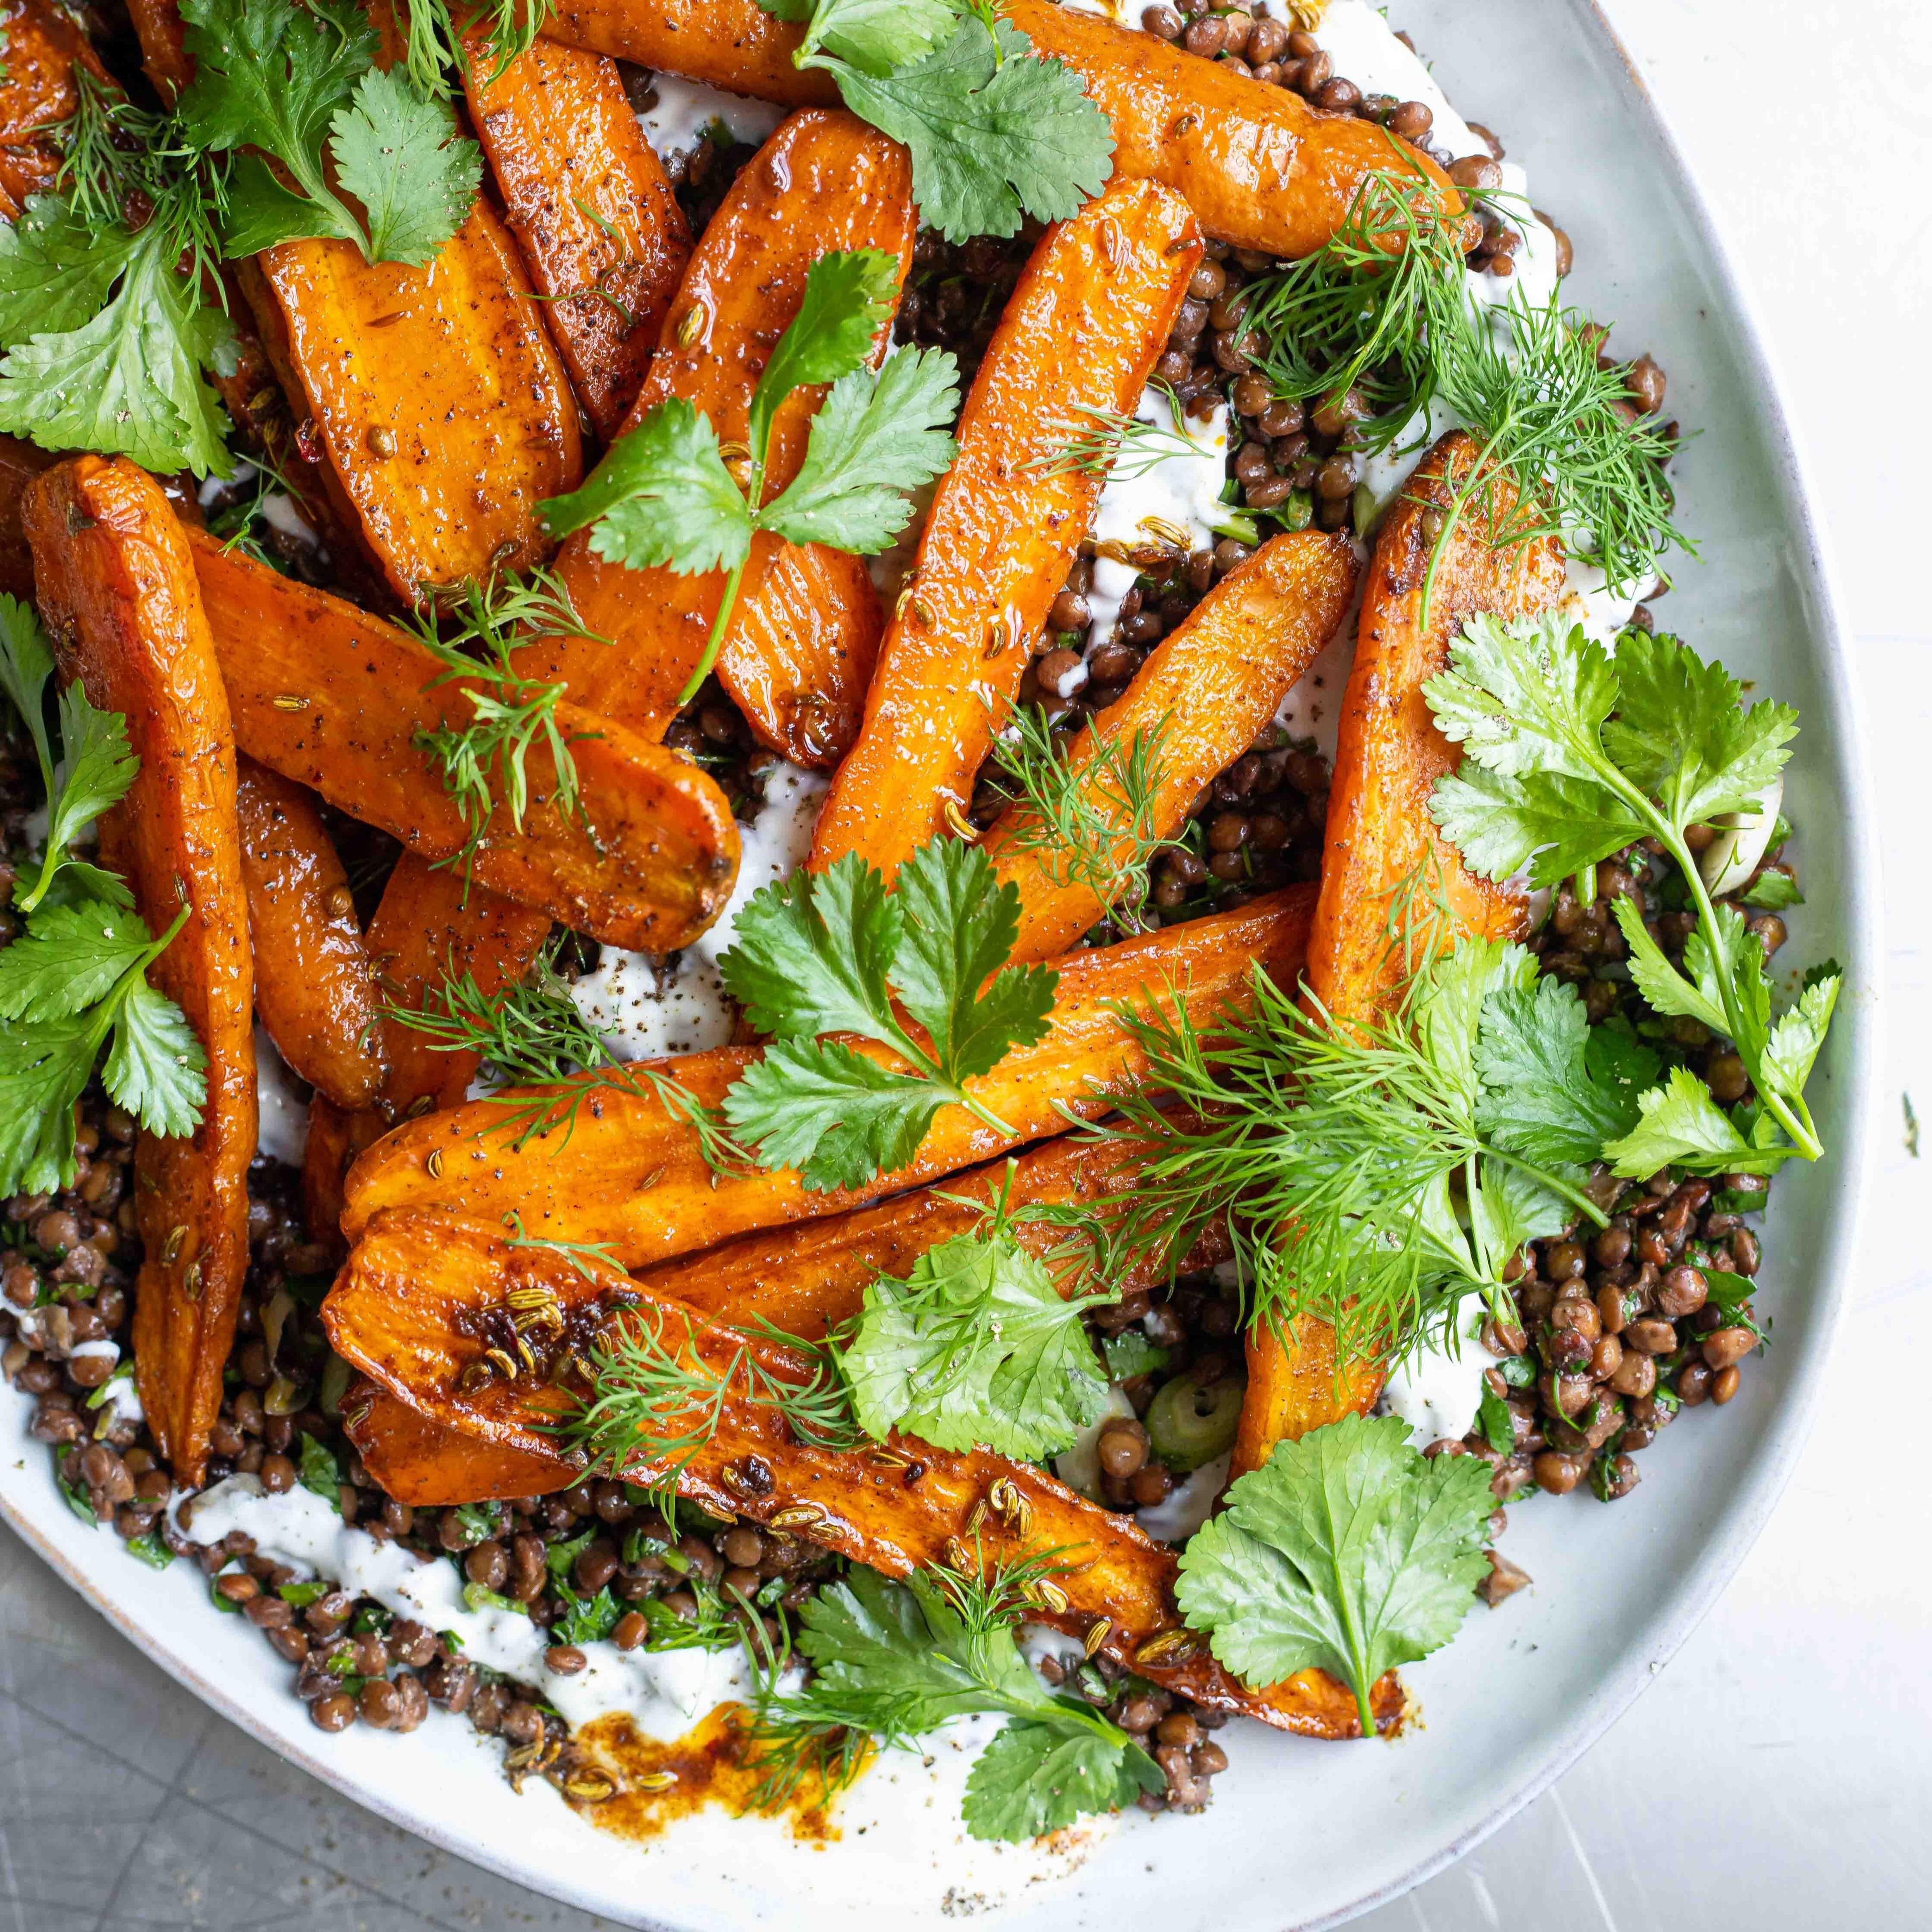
513, 712
891, 1662
664, 496
834, 953
531, 1034
1570, 755
1093, 825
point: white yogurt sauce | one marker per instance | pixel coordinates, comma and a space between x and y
1437, 1392
282, 1115
666, 1692
686, 110
644, 1007
1188, 1504
1178, 496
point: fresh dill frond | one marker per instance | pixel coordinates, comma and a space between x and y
1095, 824
656, 1401
512, 711
1353, 1163
532, 1034
578, 1254
1109, 442
433, 43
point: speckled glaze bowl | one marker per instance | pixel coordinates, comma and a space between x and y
1305, 1835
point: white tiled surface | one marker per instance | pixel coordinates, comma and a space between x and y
1779, 1775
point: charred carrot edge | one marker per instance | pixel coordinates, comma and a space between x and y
822, 182
1388, 757
20, 463
42, 47
117, 586
1091, 312
314, 990
601, 231
425, 1295
333, 699
1261, 168
628, 1174
1203, 694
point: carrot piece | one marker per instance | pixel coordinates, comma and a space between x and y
333, 698
822, 182
628, 1174
1213, 683
20, 463
590, 206
806, 1280
424, 1294
117, 586
429, 1466
43, 46
314, 990
1082, 328
1381, 839
1262, 169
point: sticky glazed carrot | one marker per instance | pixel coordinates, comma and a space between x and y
601, 231
823, 182
333, 699
1202, 697
1081, 331
425, 1295
1261, 168
20, 463
629, 1174
43, 46
117, 586
430, 1466
315, 991
1380, 837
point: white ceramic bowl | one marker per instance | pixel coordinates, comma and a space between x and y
1301, 1834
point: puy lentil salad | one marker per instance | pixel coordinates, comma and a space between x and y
654, 1205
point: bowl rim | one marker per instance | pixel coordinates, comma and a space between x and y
1750, 1507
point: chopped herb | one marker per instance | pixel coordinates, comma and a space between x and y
316, 1470
1130, 1354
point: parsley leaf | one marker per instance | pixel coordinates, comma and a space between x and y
284, 78
317, 1470
1772, 892
827, 953
1347, 1550
107, 337
156, 1068
976, 1348
663, 497
70, 957
995, 131
895, 1661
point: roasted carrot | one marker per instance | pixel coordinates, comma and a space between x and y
806, 1280
20, 463
1200, 698
1261, 168
429, 1466
1382, 843
630, 1175
425, 1296
335, 699
1081, 331
601, 231
117, 587
43, 46
314, 991
798, 666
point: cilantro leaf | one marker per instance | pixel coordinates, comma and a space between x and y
1680, 1125
875, 35
156, 1066
848, 296
895, 1661
44, 1071
975, 1349
98, 766
877, 437
107, 340
1347, 1550
26, 664
1130, 1354
396, 153
1543, 1096
318, 1471
70, 957
1553, 826
826, 954
995, 132
1772, 892
1794, 1042
585, 1619
1492, 1417
662, 496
